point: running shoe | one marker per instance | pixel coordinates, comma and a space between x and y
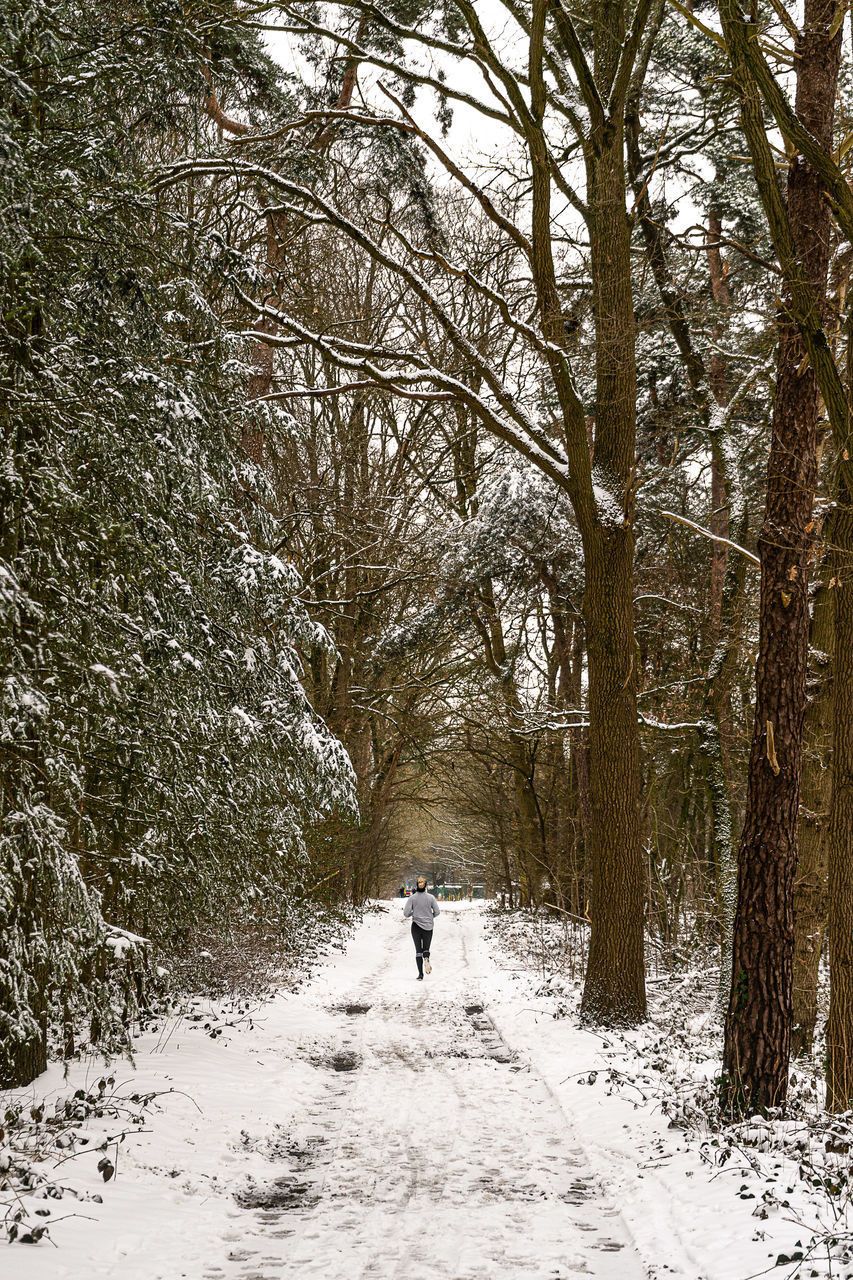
427, 964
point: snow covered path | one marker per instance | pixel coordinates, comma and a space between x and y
372, 1127
432, 1155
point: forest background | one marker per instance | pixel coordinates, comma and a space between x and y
366, 502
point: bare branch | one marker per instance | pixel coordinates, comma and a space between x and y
306, 27
628, 57
546, 459
416, 282
714, 537
574, 51
212, 105
316, 393
462, 178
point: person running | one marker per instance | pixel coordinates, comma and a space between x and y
423, 908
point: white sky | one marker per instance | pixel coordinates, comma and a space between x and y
478, 143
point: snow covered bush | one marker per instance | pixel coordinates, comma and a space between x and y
159, 759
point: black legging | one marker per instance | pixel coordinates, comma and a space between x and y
422, 937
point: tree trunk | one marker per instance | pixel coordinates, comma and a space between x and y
718, 378
568, 652
810, 893
758, 1026
615, 989
23, 1058
527, 822
615, 985
839, 1030
714, 738
24, 1061
260, 379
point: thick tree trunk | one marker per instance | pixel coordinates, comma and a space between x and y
615, 986
758, 1026
810, 894
615, 990
839, 1030
260, 379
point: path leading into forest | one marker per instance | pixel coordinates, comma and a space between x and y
371, 1127
429, 1151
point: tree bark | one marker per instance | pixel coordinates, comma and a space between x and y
25, 1060
810, 889
758, 1026
614, 989
527, 822
839, 1030
568, 653
714, 731
718, 378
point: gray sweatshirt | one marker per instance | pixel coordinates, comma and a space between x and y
422, 907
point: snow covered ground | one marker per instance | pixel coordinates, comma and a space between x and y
371, 1126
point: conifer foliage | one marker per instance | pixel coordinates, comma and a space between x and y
159, 760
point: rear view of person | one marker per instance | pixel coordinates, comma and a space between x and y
423, 908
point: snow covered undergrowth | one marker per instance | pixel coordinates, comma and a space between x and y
112, 1166
320, 1134
714, 1200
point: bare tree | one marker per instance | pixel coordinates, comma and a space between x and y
585, 444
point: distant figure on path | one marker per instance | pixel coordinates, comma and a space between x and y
423, 908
